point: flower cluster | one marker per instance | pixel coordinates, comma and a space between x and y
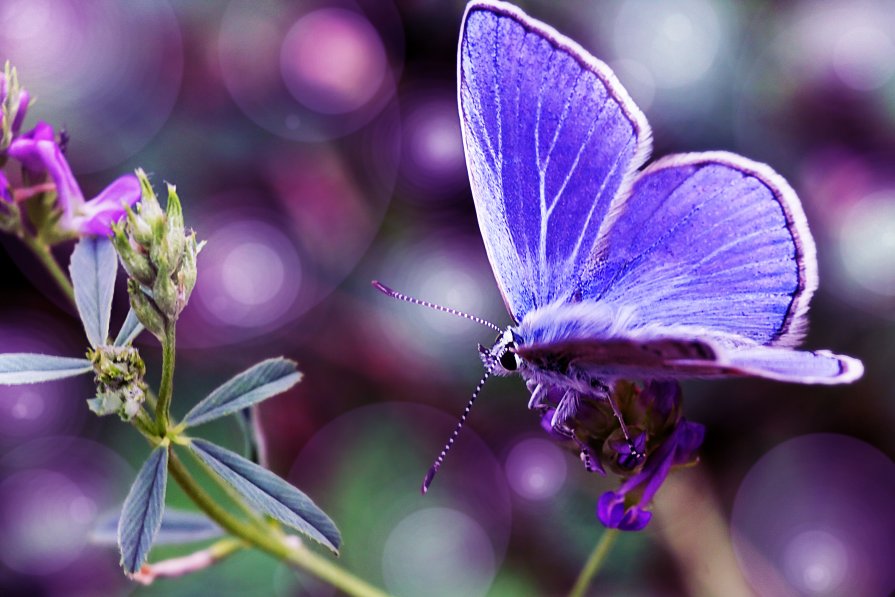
44, 172
119, 372
159, 256
661, 438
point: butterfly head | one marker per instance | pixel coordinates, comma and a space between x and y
504, 356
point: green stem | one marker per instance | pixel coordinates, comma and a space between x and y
224, 547
593, 563
301, 557
45, 256
145, 425
166, 387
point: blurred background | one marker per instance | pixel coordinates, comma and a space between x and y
316, 146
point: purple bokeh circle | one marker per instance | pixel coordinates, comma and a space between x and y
107, 71
52, 493
814, 516
306, 74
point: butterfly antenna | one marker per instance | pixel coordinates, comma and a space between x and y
403, 297
438, 461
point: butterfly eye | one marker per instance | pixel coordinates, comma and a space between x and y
508, 360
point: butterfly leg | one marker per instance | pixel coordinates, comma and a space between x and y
591, 464
565, 413
606, 393
539, 395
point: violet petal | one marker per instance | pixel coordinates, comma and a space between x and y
5, 195
24, 99
611, 509
635, 519
40, 155
96, 216
691, 437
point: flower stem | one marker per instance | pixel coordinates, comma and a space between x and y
45, 256
166, 387
253, 535
593, 563
145, 425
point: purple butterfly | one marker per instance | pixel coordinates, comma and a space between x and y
699, 265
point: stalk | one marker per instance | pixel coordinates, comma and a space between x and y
594, 563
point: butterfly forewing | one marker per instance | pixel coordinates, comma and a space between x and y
550, 138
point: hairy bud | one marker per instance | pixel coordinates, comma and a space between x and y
159, 254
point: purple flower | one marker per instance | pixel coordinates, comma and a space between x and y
38, 152
659, 440
625, 509
24, 99
24, 147
5, 195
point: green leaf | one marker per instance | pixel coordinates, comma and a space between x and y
268, 493
94, 265
266, 379
178, 527
141, 515
22, 368
130, 329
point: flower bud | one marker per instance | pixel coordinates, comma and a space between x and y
160, 255
164, 292
149, 221
145, 309
175, 234
138, 227
14, 102
135, 263
186, 280
21, 111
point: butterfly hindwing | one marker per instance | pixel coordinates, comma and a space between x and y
683, 356
711, 240
550, 138
608, 358
820, 366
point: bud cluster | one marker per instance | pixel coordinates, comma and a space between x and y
119, 372
159, 256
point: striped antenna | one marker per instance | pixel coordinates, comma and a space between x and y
438, 461
403, 297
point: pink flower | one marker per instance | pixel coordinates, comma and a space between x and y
38, 152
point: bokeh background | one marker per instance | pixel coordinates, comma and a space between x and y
316, 146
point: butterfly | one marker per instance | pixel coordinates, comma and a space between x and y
699, 265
